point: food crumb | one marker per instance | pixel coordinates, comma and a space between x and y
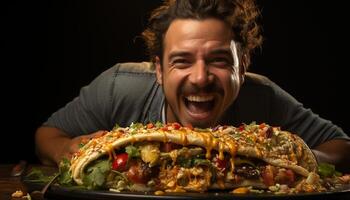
240, 190
159, 192
17, 194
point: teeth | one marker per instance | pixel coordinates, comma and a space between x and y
200, 98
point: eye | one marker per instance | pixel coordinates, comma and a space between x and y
180, 63
220, 61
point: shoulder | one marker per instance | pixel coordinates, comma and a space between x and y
253, 79
135, 93
123, 76
256, 84
123, 81
133, 77
128, 69
259, 98
127, 89
146, 68
127, 79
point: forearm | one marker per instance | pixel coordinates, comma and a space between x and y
335, 152
50, 145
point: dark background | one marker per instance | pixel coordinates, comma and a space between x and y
49, 49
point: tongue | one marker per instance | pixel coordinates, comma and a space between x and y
199, 107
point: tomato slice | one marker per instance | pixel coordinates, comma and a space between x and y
120, 162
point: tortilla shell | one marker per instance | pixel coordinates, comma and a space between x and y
99, 147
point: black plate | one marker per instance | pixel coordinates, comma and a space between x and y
59, 192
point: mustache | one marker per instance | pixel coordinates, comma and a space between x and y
194, 89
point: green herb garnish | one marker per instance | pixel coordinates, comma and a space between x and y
327, 170
36, 175
132, 151
65, 177
96, 174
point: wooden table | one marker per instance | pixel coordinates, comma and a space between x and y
10, 184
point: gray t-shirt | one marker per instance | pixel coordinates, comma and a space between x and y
128, 92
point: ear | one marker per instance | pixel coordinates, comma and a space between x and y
158, 70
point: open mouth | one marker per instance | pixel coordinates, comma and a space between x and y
199, 106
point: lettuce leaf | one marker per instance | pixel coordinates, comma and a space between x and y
65, 177
96, 174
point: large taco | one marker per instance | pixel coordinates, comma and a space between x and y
172, 158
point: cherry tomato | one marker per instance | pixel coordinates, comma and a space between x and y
150, 125
176, 126
120, 162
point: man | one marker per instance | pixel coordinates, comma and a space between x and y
200, 53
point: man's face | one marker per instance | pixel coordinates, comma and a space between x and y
199, 78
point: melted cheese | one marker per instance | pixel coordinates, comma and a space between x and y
183, 138
165, 140
221, 151
232, 163
110, 150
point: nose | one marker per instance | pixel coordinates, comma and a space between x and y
200, 75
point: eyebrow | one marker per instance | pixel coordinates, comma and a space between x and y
179, 54
225, 51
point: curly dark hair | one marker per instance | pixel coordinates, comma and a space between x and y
241, 15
